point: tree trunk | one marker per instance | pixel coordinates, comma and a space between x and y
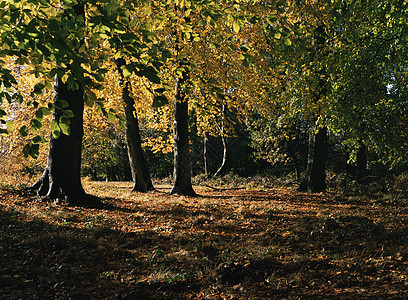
361, 162
315, 177
138, 165
221, 128
61, 179
294, 159
182, 169
205, 155
224, 156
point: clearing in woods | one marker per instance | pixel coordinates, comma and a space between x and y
262, 243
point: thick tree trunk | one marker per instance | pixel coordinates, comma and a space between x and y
361, 171
182, 169
138, 165
61, 179
315, 177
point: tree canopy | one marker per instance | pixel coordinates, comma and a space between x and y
279, 66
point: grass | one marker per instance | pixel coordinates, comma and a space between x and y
256, 243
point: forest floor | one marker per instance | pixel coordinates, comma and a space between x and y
253, 243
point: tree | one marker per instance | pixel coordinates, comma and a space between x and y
61, 178
138, 165
182, 169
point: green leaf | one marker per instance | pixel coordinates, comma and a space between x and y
159, 101
56, 133
10, 125
34, 150
60, 104
151, 74
99, 77
23, 130
35, 124
288, 42
38, 88
126, 71
90, 97
38, 139
68, 113
236, 26
26, 150
65, 128
111, 117
44, 111
54, 125
39, 115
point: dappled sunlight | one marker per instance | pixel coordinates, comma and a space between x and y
242, 243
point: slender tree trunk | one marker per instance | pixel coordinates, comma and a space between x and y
61, 178
182, 169
293, 157
315, 177
361, 171
138, 165
221, 128
224, 156
205, 155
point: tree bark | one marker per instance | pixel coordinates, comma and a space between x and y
315, 177
138, 165
361, 161
61, 179
221, 128
182, 169
205, 155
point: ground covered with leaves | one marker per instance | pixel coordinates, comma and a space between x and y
253, 243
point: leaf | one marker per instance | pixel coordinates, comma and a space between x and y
127, 71
35, 124
68, 113
90, 97
38, 139
159, 101
34, 150
65, 128
60, 104
56, 133
111, 117
236, 26
23, 130
38, 88
44, 111
26, 150
151, 74
10, 125
54, 125
288, 42
99, 77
